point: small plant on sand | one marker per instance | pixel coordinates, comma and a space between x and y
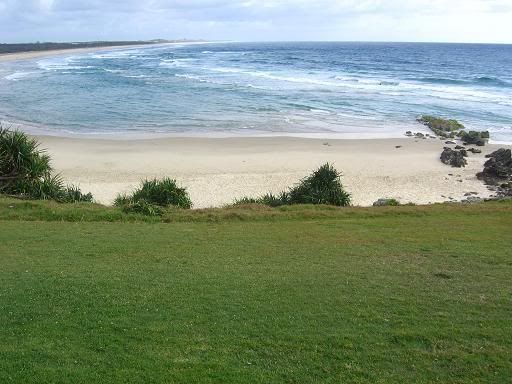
26, 172
153, 195
323, 186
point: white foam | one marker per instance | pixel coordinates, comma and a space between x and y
319, 111
18, 76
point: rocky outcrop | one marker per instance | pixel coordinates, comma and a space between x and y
474, 138
497, 173
498, 168
441, 127
454, 158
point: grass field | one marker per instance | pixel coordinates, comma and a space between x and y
256, 295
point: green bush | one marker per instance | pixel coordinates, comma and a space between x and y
154, 194
73, 194
269, 199
386, 203
26, 172
21, 159
142, 207
323, 186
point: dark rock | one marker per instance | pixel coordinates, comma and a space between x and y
498, 168
450, 142
419, 135
459, 147
474, 137
408, 133
474, 150
398, 146
453, 158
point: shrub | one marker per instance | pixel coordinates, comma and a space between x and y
25, 171
386, 203
73, 194
142, 207
154, 195
323, 186
21, 159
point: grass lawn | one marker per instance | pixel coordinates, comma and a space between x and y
256, 295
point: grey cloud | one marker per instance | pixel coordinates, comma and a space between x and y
29, 20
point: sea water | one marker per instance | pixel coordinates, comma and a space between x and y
231, 89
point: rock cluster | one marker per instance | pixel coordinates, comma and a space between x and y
498, 172
441, 127
474, 137
454, 158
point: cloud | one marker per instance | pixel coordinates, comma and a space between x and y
405, 20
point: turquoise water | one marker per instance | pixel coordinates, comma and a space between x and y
307, 89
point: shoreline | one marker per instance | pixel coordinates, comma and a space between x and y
216, 171
28, 55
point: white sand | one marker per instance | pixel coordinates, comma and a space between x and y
216, 171
56, 52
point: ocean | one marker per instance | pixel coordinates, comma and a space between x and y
352, 90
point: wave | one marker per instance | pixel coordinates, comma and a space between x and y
492, 81
342, 81
479, 80
319, 111
66, 64
195, 78
16, 76
135, 76
175, 63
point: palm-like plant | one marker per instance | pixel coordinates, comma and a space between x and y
323, 186
25, 170
152, 196
21, 157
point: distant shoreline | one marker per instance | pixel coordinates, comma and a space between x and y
33, 54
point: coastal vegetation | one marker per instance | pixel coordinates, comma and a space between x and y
255, 294
26, 172
323, 186
152, 196
47, 46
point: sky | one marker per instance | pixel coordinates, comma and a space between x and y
478, 21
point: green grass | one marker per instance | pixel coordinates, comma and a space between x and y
298, 294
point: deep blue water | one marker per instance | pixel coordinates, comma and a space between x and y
324, 89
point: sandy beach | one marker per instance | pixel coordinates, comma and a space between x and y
217, 171
4, 57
